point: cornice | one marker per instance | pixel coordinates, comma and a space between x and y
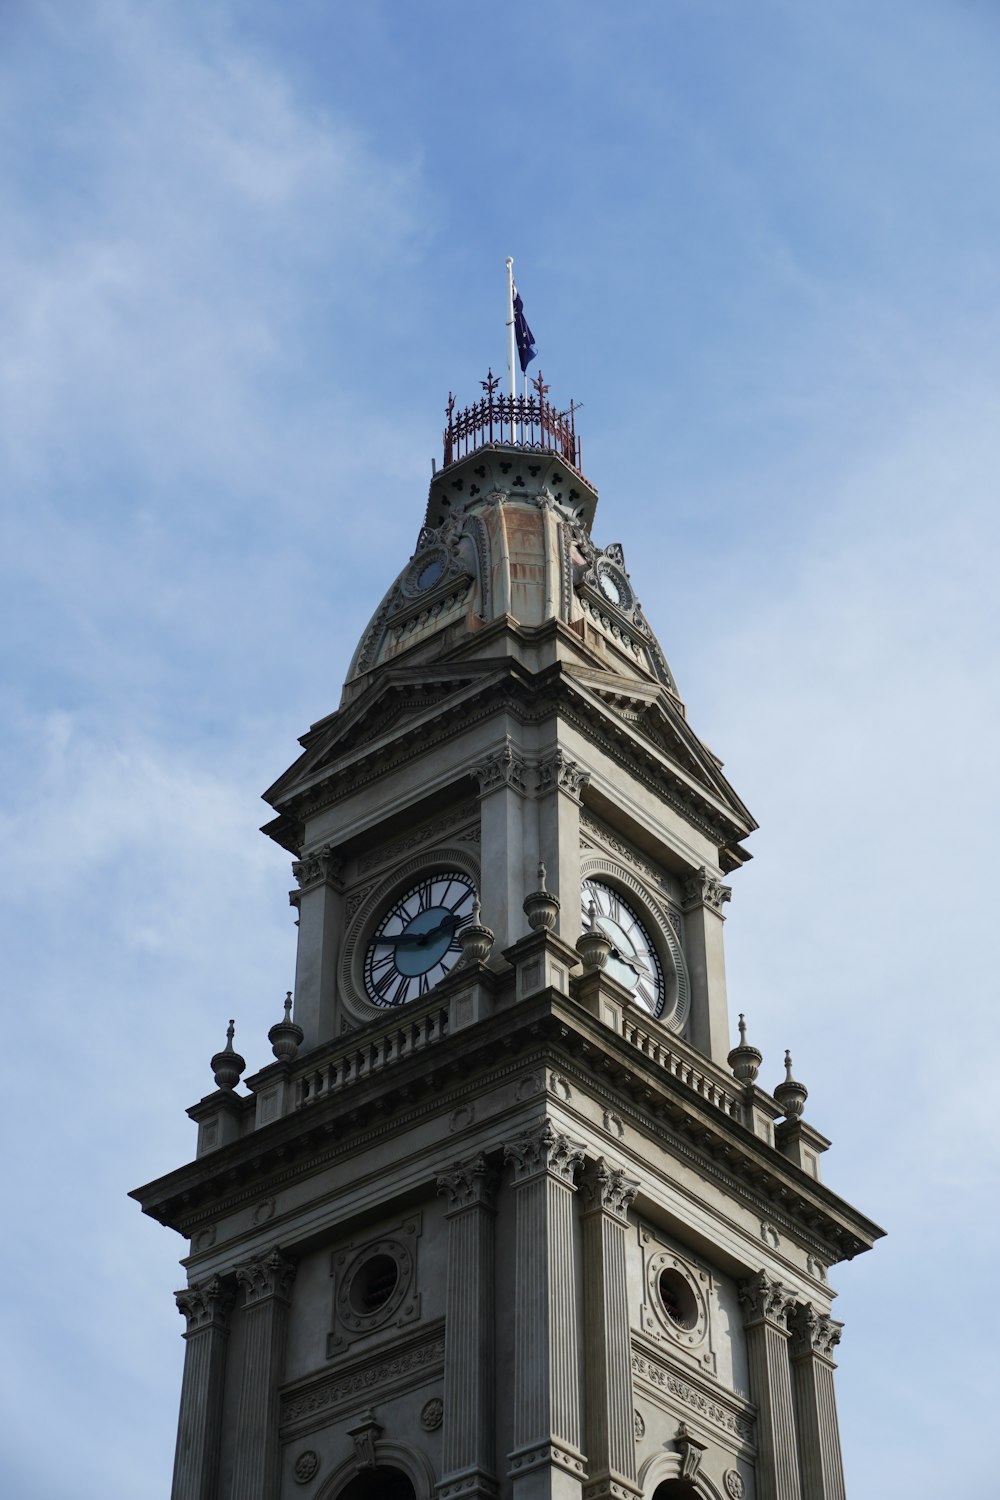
308, 1139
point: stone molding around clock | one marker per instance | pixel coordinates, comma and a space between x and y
378, 896
677, 1002
349, 1265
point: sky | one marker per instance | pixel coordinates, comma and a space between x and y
246, 251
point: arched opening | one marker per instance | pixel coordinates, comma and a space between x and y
378, 1484
676, 1489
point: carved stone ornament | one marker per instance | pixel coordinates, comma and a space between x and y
690, 1451
733, 1481
306, 1466
366, 1433
813, 1332
764, 1300
542, 1149
609, 1189
639, 1426
432, 1414
269, 1275
558, 773
703, 889
317, 868
205, 1304
501, 768
468, 1183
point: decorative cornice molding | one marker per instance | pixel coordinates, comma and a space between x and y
557, 772
813, 1332
267, 1276
501, 768
206, 1304
539, 1150
764, 1301
607, 1189
703, 889
469, 1184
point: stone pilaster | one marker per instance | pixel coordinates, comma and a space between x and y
469, 1465
546, 1459
704, 898
560, 783
814, 1338
319, 902
610, 1429
256, 1457
765, 1311
206, 1307
502, 792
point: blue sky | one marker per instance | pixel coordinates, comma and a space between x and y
245, 252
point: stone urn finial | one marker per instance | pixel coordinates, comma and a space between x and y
593, 946
541, 908
790, 1095
745, 1060
285, 1036
227, 1065
476, 940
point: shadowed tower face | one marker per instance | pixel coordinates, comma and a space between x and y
508, 1214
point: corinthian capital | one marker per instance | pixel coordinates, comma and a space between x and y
205, 1304
764, 1301
269, 1275
703, 889
558, 773
318, 868
541, 1149
812, 1332
608, 1189
503, 767
468, 1183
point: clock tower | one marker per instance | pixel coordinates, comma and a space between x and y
507, 1214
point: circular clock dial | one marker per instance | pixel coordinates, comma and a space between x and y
416, 941
609, 587
634, 961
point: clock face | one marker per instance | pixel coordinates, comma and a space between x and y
609, 587
634, 961
416, 941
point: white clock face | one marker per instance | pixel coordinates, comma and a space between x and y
634, 961
609, 587
416, 941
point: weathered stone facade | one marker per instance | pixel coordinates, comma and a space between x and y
522, 1233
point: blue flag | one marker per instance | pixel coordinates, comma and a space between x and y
525, 338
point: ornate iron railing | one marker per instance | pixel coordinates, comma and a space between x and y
523, 421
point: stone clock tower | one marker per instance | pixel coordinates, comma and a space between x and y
509, 1214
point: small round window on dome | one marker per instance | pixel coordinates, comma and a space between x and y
373, 1284
678, 1300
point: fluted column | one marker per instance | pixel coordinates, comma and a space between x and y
256, 1459
547, 1434
469, 1467
765, 1311
205, 1306
814, 1338
610, 1430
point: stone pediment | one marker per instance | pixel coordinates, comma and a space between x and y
654, 714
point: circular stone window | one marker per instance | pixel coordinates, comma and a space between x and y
678, 1300
372, 1284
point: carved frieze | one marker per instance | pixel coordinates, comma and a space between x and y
542, 1149
405, 1367
709, 1410
449, 826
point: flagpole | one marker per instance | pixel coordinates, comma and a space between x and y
511, 377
